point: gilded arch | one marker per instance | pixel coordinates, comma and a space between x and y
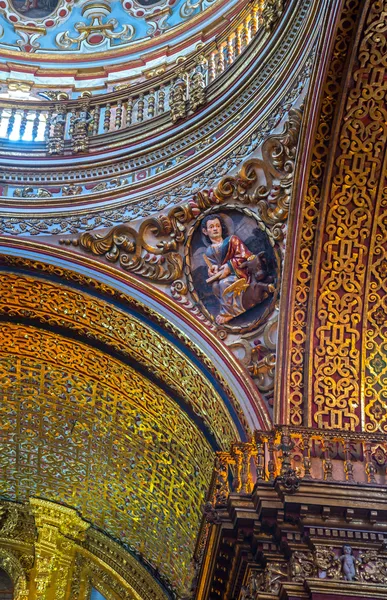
88, 364
10, 564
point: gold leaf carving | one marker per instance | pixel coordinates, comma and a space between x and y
356, 197
123, 244
310, 211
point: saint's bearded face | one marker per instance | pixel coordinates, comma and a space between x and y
213, 229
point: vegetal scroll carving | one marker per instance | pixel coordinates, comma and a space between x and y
125, 245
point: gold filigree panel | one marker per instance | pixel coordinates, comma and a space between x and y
57, 305
82, 428
354, 242
311, 208
343, 321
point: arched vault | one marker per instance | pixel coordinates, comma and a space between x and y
111, 408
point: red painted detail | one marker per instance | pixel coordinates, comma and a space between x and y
95, 39
28, 47
63, 12
128, 5
49, 23
13, 18
140, 13
3, 5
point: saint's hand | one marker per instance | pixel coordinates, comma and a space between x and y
212, 270
225, 271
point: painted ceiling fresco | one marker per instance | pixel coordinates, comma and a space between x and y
84, 26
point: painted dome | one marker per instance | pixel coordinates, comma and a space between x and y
54, 29
87, 44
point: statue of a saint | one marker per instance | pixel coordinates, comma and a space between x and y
239, 278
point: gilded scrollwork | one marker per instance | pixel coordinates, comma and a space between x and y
310, 211
57, 128
357, 198
30, 192
266, 580
267, 182
271, 13
372, 566
197, 85
123, 244
80, 125
327, 562
178, 97
302, 565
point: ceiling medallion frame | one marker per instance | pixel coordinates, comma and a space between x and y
273, 295
58, 15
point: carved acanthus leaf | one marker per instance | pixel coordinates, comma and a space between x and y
125, 245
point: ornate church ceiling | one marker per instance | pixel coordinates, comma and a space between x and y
56, 38
112, 432
118, 188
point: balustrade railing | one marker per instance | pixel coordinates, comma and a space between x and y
70, 125
291, 455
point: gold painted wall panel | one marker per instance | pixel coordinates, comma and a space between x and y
82, 428
349, 360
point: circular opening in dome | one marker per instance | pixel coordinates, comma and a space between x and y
34, 9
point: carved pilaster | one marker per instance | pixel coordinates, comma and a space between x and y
59, 529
